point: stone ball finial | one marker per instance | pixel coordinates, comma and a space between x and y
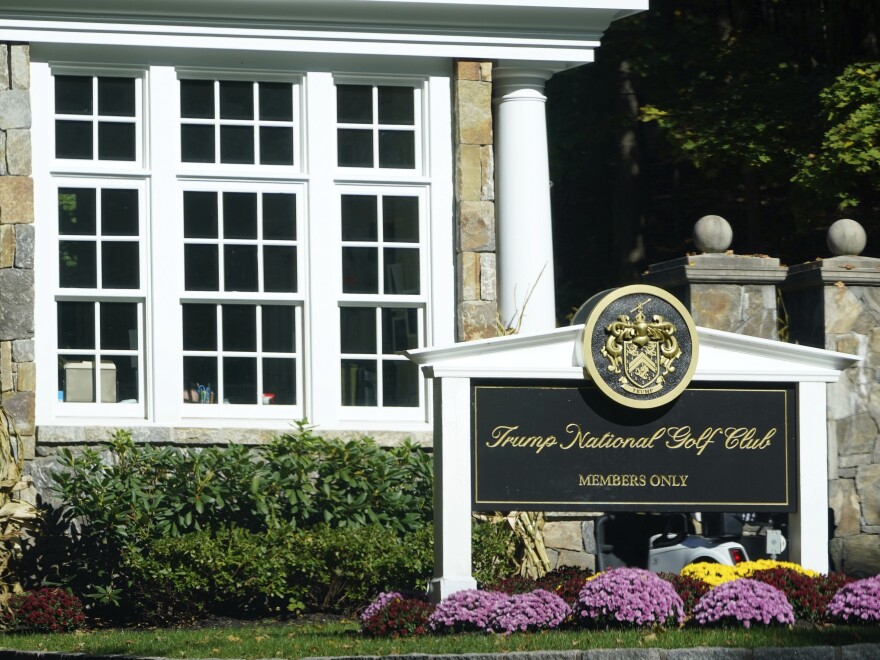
846, 238
712, 233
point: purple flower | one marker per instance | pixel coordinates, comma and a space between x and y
536, 610
465, 611
628, 596
379, 603
857, 602
744, 602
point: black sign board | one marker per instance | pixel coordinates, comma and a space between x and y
558, 446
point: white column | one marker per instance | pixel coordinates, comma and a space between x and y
452, 488
808, 528
526, 297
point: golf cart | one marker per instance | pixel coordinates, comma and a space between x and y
665, 542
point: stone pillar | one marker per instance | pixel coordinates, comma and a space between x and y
835, 304
526, 297
476, 306
722, 290
17, 373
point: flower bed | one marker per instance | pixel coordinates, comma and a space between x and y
761, 593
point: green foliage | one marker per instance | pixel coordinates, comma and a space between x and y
126, 497
279, 571
847, 163
493, 551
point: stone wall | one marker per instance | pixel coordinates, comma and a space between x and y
17, 369
835, 304
476, 305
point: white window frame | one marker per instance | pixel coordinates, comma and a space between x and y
316, 179
297, 300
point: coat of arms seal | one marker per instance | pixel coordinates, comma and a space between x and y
640, 346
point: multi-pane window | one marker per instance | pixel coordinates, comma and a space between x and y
99, 306
213, 253
381, 262
237, 122
240, 243
377, 126
240, 354
97, 118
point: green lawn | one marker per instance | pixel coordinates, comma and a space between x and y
298, 640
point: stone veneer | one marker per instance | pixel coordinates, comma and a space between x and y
835, 304
730, 292
476, 304
17, 372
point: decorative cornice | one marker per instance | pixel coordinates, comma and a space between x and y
563, 31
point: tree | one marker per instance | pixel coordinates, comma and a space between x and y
711, 106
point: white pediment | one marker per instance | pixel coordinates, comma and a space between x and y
723, 356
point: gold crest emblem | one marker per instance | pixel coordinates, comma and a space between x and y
642, 352
639, 345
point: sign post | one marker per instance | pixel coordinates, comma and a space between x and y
634, 410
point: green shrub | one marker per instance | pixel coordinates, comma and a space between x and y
127, 497
493, 552
281, 571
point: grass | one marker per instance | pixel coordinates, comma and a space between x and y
299, 640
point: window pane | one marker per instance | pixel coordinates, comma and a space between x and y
279, 269
199, 214
76, 211
201, 268
355, 148
360, 268
354, 104
400, 219
236, 100
359, 218
276, 101
401, 270
116, 97
197, 99
119, 379
359, 383
276, 146
396, 105
77, 264
116, 141
76, 378
400, 329
239, 380
400, 383
119, 328
279, 381
357, 329
199, 327
196, 144
240, 215
119, 212
279, 333
73, 95
237, 144
279, 217
239, 327
397, 149
73, 139
76, 325
240, 267
200, 379
120, 265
